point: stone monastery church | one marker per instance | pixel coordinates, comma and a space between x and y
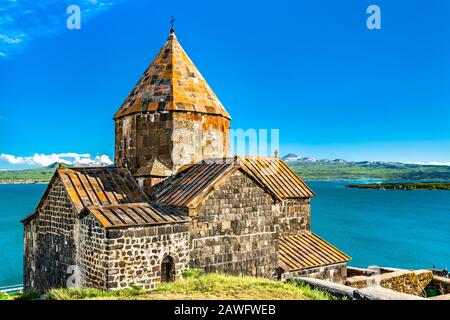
174, 200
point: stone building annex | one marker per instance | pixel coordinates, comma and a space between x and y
175, 199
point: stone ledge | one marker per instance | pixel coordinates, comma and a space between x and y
369, 293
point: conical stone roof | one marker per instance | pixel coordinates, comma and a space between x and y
154, 168
172, 83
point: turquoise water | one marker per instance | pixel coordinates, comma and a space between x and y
406, 229
16, 202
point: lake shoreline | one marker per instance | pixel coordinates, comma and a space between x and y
314, 180
23, 183
404, 186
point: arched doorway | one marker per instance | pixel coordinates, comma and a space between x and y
167, 269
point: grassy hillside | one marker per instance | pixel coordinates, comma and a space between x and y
376, 171
202, 287
319, 170
38, 175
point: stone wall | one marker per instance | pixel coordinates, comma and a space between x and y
177, 138
134, 255
295, 216
30, 254
442, 284
49, 243
405, 281
81, 253
235, 229
91, 238
336, 273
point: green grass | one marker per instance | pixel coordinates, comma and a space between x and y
19, 295
203, 287
357, 171
38, 175
4, 296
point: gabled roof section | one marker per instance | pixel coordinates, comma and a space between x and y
154, 168
135, 214
275, 174
100, 186
172, 83
307, 250
112, 196
193, 183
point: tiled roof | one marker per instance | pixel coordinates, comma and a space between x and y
192, 182
154, 168
306, 251
172, 83
272, 174
276, 176
100, 186
113, 197
135, 214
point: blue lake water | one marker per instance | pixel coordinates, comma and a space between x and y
406, 229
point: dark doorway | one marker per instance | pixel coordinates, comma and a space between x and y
167, 269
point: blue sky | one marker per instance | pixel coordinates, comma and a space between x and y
311, 69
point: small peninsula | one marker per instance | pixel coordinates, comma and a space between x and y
403, 186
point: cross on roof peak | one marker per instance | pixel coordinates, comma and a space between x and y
172, 21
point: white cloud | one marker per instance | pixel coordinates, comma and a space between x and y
17, 39
24, 21
70, 158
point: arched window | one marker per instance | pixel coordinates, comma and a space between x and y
167, 269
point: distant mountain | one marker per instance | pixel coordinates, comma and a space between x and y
57, 164
340, 169
292, 157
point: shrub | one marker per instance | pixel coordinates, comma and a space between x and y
26, 295
188, 273
4, 296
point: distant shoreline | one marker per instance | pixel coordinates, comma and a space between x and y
22, 182
366, 183
403, 186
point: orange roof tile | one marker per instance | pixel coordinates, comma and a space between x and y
135, 214
172, 83
191, 184
100, 186
307, 250
276, 176
112, 196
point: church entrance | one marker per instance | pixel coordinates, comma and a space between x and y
167, 269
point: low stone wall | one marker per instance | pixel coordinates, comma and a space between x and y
335, 273
343, 291
410, 282
442, 284
353, 272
